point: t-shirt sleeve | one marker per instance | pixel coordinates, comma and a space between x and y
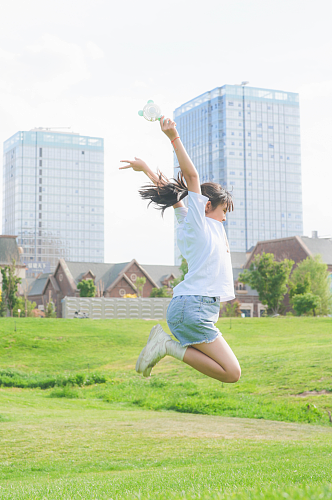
196, 210
180, 214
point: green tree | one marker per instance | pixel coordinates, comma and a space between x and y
140, 282
50, 311
10, 285
3, 308
184, 271
302, 286
305, 303
20, 304
269, 278
317, 270
160, 292
232, 310
87, 288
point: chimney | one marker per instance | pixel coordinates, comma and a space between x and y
314, 234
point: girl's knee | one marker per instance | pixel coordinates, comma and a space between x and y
236, 374
233, 375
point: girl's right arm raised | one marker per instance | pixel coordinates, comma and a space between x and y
189, 171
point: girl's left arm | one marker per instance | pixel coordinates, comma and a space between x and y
140, 166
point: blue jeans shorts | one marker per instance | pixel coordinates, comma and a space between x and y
192, 318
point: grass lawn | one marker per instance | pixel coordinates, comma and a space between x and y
106, 440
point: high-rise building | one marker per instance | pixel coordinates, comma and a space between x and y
248, 140
53, 197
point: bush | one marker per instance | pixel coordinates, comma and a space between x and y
14, 378
160, 292
306, 303
87, 288
20, 304
50, 310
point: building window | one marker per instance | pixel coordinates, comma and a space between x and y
230, 103
122, 292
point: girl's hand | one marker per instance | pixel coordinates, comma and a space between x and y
138, 165
169, 128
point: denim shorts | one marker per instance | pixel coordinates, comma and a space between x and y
192, 318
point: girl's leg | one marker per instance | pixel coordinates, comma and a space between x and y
216, 360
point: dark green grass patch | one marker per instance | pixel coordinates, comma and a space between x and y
16, 378
166, 393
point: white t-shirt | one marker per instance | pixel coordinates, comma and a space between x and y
203, 243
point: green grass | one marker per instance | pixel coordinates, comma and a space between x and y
280, 359
106, 441
76, 448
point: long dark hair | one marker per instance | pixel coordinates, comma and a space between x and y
167, 193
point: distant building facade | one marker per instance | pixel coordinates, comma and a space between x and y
248, 140
53, 197
111, 280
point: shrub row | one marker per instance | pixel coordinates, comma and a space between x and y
13, 378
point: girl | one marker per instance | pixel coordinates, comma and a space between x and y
194, 309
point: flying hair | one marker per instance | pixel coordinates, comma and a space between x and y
167, 193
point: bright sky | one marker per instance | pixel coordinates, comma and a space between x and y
92, 65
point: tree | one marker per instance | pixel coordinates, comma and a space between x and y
317, 271
3, 308
50, 310
10, 285
87, 288
184, 271
269, 278
232, 310
302, 286
24, 305
304, 303
140, 282
160, 292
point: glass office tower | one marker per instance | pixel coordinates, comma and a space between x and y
248, 140
53, 197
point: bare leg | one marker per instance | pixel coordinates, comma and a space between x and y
216, 360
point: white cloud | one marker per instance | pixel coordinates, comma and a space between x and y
44, 69
94, 51
6, 56
314, 90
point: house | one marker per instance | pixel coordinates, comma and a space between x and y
111, 280
296, 248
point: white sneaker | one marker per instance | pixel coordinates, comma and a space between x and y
153, 352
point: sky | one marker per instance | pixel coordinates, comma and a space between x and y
92, 65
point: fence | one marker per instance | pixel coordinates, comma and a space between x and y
112, 308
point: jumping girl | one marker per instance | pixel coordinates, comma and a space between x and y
194, 309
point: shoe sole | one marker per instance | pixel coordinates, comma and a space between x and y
138, 362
